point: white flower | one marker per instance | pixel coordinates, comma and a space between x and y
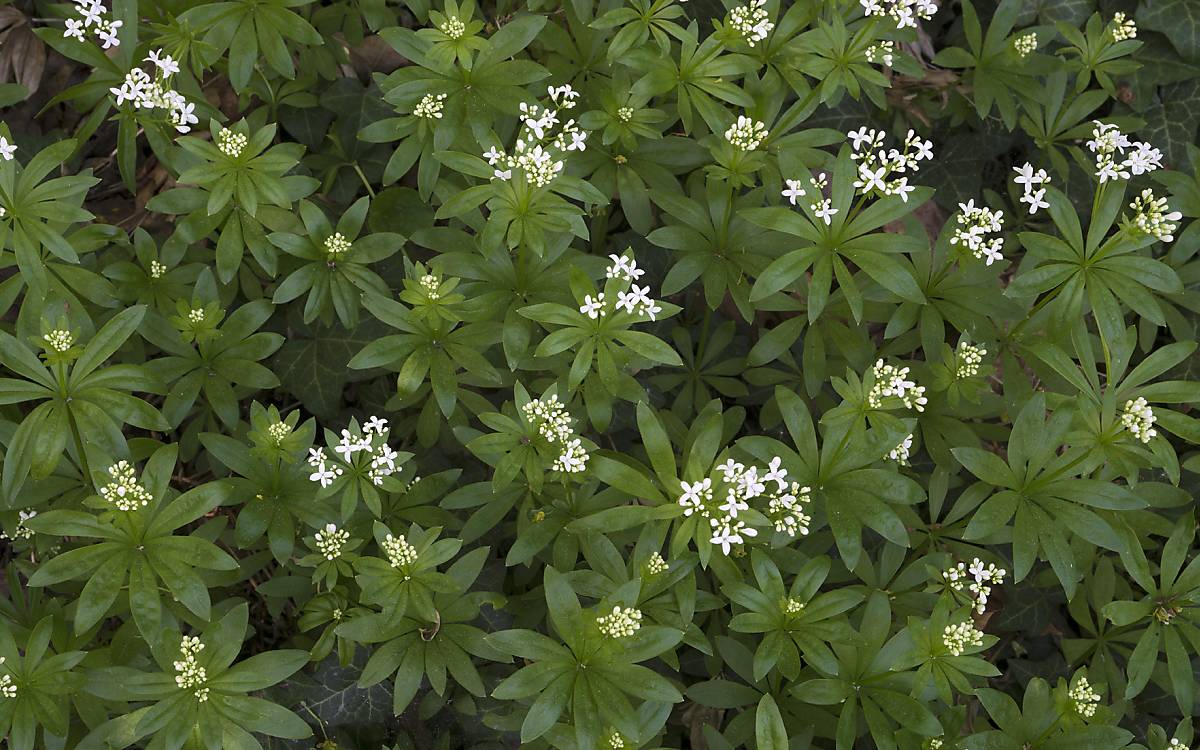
324, 476
430, 107
108, 34
968, 359
74, 30
189, 675
593, 307
493, 156
793, 191
330, 541
398, 551
124, 491
746, 134
731, 534
974, 224
1151, 216
900, 453
958, 638
1026, 44
1123, 28
824, 210
751, 21
1138, 418
695, 495
573, 459
1027, 178
1085, 698
375, 424
231, 143
776, 472
165, 63
620, 623
870, 179
1036, 200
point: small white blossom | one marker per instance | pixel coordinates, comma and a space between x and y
958, 638
620, 623
900, 453
399, 552
593, 307
824, 210
1036, 199
189, 675
751, 21
1123, 28
1025, 44
655, 564
1151, 216
7, 688
7, 150
453, 27
1138, 418
967, 359
430, 107
881, 52
974, 224
330, 541
794, 190
231, 142
1085, 698
904, 13
893, 382
976, 579
746, 134
573, 459
124, 491
59, 340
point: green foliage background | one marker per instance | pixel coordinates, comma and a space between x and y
212, 338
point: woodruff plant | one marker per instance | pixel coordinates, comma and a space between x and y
599, 374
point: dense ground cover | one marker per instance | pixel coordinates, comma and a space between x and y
620, 374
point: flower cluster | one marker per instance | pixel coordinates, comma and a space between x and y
1139, 419
430, 107
1152, 216
330, 541
900, 453
1108, 143
974, 226
157, 269
1029, 180
336, 247
968, 358
1026, 44
453, 27
1123, 28
878, 167
792, 606
884, 51
93, 18
746, 134
399, 552
822, 207
361, 450
278, 432
231, 142
656, 564
553, 422
124, 491
620, 623
615, 740
59, 340
189, 674
904, 12
958, 638
892, 382
635, 300
146, 92
751, 21
540, 150
1085, 698
977, 579
739, 484
7, 688
1175, 744
21, 531
431, 285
